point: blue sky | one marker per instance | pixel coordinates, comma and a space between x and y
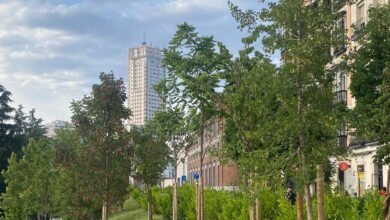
51, 51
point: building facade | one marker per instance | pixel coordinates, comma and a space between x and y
215, 174
54, 125
362, 173
145, 71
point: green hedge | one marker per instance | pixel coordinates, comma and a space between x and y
223, 205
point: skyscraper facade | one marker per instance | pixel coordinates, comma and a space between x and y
145, 71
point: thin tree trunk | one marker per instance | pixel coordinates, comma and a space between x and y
258, 209
174, 205
106, 190
320, 192
150, 205
174, 200
309, 205
252, 213
201, 200
388, 179
299, 206
197, 201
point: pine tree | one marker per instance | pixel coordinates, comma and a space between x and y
7, 131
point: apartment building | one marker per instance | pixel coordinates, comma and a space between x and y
145, 71
215, 174
361, 173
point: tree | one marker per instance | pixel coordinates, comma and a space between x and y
370, 82
151, 155
368, 75
34, 127
304, 34
6, 131
14, 133
195, 64
79, 199
98, 119
253, 123
172, 127
29, 182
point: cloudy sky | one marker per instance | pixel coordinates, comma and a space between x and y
51, 51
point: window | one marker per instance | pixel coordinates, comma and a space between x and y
340, 31
341, 87
342, 137
360, 20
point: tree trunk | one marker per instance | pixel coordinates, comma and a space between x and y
106, 190
174, 199
174, 205
150, 205
388, 180
252, 211
299, 206
309, 205
258, 209
320, 192
201, 200
197, 201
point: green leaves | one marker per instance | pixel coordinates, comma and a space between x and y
30, 182
102, 152
195, 64
370, 80
151, 155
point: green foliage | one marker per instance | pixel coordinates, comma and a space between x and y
151, 155
138, 195
373, 205
341, 207
222, 205
15, 130
282, 118
98, 120
370, 81
164, 198
31, 182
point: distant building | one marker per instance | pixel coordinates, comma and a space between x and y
54, 125
168, 176
215, 174
145, 71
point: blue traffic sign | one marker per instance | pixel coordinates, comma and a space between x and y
196, 176
183, 178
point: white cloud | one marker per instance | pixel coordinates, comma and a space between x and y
52, 51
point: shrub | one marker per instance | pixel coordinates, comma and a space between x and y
373, 205
223, 205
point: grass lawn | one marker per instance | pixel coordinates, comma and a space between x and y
132, 211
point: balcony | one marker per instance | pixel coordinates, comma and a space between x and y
342, 141
358, 27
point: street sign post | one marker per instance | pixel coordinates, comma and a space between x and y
183, 178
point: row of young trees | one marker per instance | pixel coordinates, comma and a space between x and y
282, 120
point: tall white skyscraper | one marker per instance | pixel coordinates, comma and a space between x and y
145, 71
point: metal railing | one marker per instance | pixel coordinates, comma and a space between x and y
341, 97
